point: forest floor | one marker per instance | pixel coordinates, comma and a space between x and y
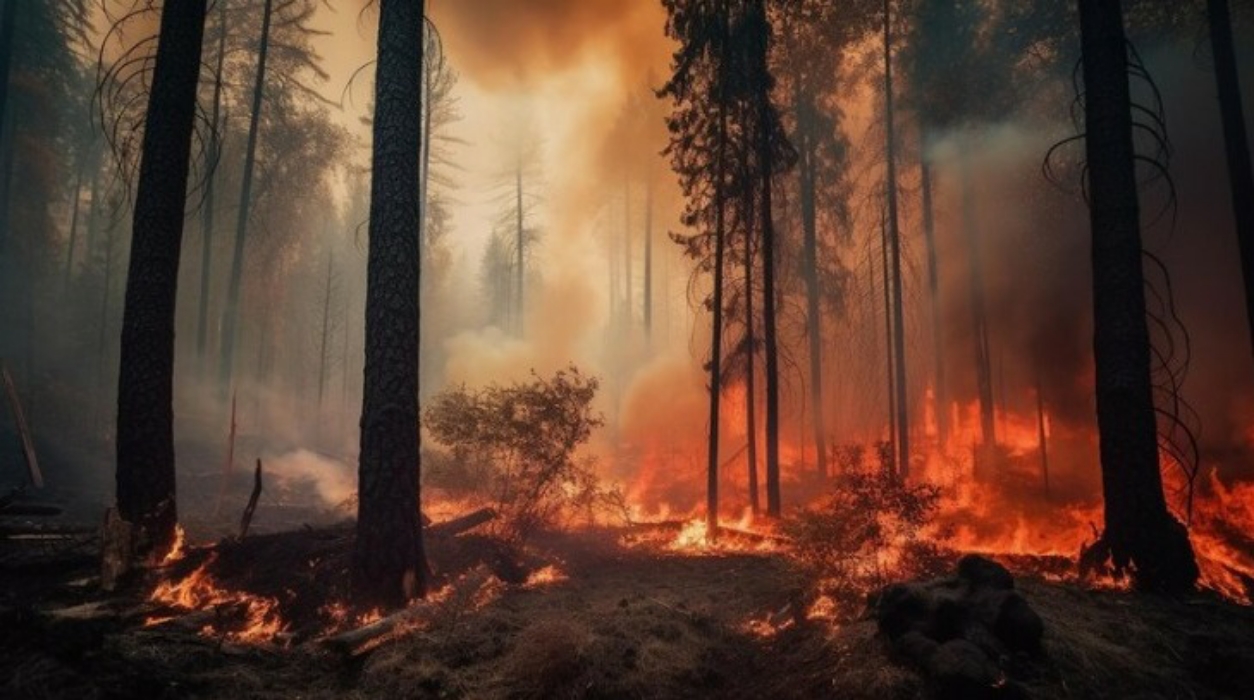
614, 620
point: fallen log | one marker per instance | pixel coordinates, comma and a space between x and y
252, 503
32, 509
352, 642
460, 524
23, 430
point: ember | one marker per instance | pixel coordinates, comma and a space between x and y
238, 616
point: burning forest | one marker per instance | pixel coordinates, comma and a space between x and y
626, 348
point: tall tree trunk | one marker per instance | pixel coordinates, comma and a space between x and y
894, 238
648, 258
326, 333
890, 366
230, 316
940, 395
627, 262
716, 331
8, 20
145, 429
979, 321
1140, 535
210, 205
388, 562
751, 393
1042, 441
520, 279
77, 198
808, 173
1236, 144
767, 165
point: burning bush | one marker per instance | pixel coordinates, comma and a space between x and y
866, 533
515, 446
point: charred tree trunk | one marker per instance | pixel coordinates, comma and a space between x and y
890, 371
751, 342
1042, 441
1140, 535
894, 239
388, 562
230, 316
979, 324
814, 329
716, 342
8, 17
766, 164
145, 429
1236, 143
940, 396
208, 211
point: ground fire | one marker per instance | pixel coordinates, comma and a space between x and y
626, 349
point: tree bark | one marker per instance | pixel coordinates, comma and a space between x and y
979, 322
808, 173
388, 562
230, 316
751, 390
716, 342
1140, 535
1236, 144
145, 428
766, 163
894, 238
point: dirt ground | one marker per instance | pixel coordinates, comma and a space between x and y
619, 622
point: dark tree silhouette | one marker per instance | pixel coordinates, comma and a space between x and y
894, 240
1236, 144
698, 148
209, 207
388, 561
1141, 537
145, 430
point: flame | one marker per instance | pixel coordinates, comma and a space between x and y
178, 549
198, 591
545, 576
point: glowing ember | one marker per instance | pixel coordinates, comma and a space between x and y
544, 577
198, 591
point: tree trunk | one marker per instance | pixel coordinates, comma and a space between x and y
8, 18
648, 259
1042, 441
940, 395
230, 316
814, 328
1140, 535
1236, 144
751, 393
326, 332
894, 238
388, 562
716, 341
890, 366
77, 199
210, 205
979, 321
519, 281
766, 163
145, 429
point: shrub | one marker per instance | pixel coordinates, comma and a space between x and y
515, 445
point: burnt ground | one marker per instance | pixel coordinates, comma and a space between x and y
626, 622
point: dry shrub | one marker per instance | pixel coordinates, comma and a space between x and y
515, 446
867, 533
545, 661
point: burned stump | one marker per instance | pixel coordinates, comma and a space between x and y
964, 631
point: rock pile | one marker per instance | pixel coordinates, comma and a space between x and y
964, 630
